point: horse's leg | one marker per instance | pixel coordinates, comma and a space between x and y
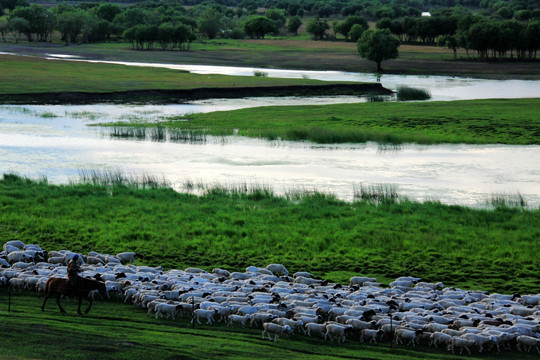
89, 305
80, 302
58, 302
44, 301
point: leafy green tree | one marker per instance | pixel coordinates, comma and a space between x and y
345, 26
317, 27
356, 32
449, 41
4, 27
108, 11
70, 24
384, 23
131, 17
41, 19
258, 26
294, 24
18, 26
378, 46
277, 16
209, 23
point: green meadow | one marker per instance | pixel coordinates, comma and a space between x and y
489, 249
22, 74
503, 121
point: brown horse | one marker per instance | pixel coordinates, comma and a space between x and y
59, 286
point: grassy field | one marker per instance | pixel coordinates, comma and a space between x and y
290, 53
508, 121
116, 331
22, 74
493, 250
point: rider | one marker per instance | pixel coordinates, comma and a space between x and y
73, 270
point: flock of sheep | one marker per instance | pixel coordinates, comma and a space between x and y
408, 312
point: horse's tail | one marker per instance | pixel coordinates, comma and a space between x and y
47, 290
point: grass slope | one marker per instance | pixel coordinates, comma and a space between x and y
505, 121
492, 250
116, 331
21, 74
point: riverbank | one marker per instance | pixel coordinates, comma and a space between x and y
498, 121
291, 53
32, 80
158, 96
334, 239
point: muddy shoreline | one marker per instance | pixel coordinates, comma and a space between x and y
157, 96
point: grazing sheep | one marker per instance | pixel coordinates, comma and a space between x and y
293, 324
461, 344
238, 319
167, 309
531, 300
360, 280
278, 269
439, 338
481, 340
15, 243
371, 335
126, 257
337, 331
402, 334
528, 343
314, 328
205, 314
258, 319
277, 330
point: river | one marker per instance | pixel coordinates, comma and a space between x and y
55, 141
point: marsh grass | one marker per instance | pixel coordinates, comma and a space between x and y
187, 136
48, 115
259, 73
115, 178
127, 132
372, 97
507, 200
406, 93
158, 133
377, 194
84, 115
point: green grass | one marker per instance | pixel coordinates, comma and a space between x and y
505, 121
34, 75
495, 250
117, 331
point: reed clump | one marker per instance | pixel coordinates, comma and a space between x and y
406, 93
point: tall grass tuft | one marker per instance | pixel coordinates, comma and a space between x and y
406, 93
48, 115
326, 136
507, 200
120, 178
373, 97
259, 73
158, 133
187, 136
380, 193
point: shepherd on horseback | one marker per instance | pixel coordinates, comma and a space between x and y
73, 271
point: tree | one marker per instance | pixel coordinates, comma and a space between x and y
317, 28
277, 16
356, 32
108, 11
258, 27
345, 26
378, 46
18, 26
294, 23
449, 41
209, 23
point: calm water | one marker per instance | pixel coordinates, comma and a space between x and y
55, 141
441, 87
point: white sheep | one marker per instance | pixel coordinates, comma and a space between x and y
167, 309
16, 243
531, 300
259, 318
370, 335
205, 314
337, 331
481, 340
439, 338
409, 335
528, 343
275, 329
461, 344
278, 269
293, 324
238, 319
360, 280
314, 328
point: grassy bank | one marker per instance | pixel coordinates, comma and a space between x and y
493, 250
508, 121
117, 331
290, 53
21, 74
